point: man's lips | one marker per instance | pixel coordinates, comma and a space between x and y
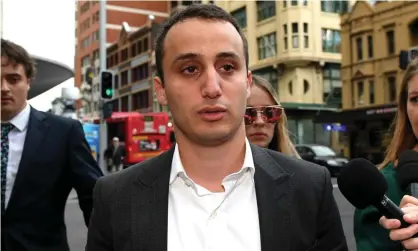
6, 99
212, 109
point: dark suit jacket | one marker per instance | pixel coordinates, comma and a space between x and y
117, 155
55, 159
296, 207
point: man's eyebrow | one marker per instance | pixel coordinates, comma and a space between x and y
227, 54
186, 56
191, 55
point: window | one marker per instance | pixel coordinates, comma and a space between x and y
96, 17
370, 46
391, 88
390, 36
305, 35
96, 36
133, 50
96, 55
360, 93
331, 41
269, 74
265, 9
140, 72
285, 42
332, 84
241, 16
124, 78
267, 46
86, 42
359, 46
145, 45
85, 61
305, 86
124, 104
335, 6
305, 2
124, 54
371, 92
294, 2
284, 3
140, 100
295, 35
85, 7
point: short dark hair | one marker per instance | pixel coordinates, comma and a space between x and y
18, 55
201, 11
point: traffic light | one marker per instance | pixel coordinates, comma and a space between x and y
107, 109
106, 84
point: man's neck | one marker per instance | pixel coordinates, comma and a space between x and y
209, 165
7, 116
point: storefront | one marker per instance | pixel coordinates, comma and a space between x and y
366, 130
302, 127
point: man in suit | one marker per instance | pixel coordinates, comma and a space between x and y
43, 157
114, 155
213, 190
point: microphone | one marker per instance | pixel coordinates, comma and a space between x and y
407, 172
363, 185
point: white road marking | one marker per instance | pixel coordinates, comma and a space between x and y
335, 185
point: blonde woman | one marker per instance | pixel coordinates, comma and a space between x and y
370, 236
265, 119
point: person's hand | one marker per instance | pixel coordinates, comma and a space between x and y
409, 206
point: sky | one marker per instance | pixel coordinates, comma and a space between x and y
45, 28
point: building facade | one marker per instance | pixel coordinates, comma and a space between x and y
131, 59
372, 37
296, 45
87, 37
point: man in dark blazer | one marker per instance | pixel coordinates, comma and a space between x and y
213, 190
43, 157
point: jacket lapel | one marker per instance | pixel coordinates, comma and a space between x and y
37, 130
273, 190
150, 204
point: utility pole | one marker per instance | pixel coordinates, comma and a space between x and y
103, 127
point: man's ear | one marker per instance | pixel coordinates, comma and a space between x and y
160, 90
249, 83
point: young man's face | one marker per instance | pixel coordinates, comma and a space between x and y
206, 81
14, 88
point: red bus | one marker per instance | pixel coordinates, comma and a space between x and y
144, 135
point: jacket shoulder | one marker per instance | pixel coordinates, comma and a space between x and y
294, 165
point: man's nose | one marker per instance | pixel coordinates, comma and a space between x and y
4, 85
212, 87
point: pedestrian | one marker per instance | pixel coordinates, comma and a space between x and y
213, 190
369, 233
43, 157
265, 119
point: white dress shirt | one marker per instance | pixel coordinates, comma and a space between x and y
201, 220
16, 142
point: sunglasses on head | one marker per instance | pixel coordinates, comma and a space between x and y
270, 114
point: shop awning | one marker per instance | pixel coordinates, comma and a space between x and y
386, 111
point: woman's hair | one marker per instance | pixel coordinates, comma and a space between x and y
280, 141
402, 136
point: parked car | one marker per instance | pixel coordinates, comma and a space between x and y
322, 155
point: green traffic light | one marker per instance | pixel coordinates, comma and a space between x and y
109, 92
